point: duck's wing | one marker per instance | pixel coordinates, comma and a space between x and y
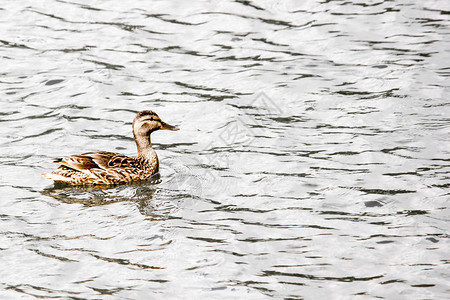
98, 168
96, 160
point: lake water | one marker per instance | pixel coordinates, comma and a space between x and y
312, 159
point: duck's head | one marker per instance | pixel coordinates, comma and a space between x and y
148, 121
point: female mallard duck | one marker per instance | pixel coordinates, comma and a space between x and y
96, 168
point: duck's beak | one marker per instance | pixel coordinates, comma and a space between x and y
168, 127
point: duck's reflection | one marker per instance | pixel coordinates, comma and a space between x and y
155, 198
142, 193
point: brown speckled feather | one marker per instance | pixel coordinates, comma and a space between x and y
103, 168
101, 160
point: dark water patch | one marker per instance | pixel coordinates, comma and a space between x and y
385, 242
246, 58
433, 240
392, 281
326, 278
413, 212
38, 135
65, 259
14, 45
255, 240
28, 288
125, 27
202, 97
208, 240
105, 291
163, 17
205, 88
234, 208
402, 173
288, 120
423, 285
282, 226
126, 262
373, 204
105, 64
383, 192
233, 253
136, 95
264, 40
249, 4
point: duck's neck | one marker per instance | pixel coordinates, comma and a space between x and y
144, 147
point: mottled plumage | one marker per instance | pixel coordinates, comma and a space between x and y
96, 168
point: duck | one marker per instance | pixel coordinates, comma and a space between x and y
110, 168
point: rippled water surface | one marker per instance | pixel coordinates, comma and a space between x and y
312, 160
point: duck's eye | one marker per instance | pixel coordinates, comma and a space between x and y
151, 119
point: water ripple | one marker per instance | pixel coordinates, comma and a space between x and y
312, 152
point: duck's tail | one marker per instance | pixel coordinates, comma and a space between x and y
55, 177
